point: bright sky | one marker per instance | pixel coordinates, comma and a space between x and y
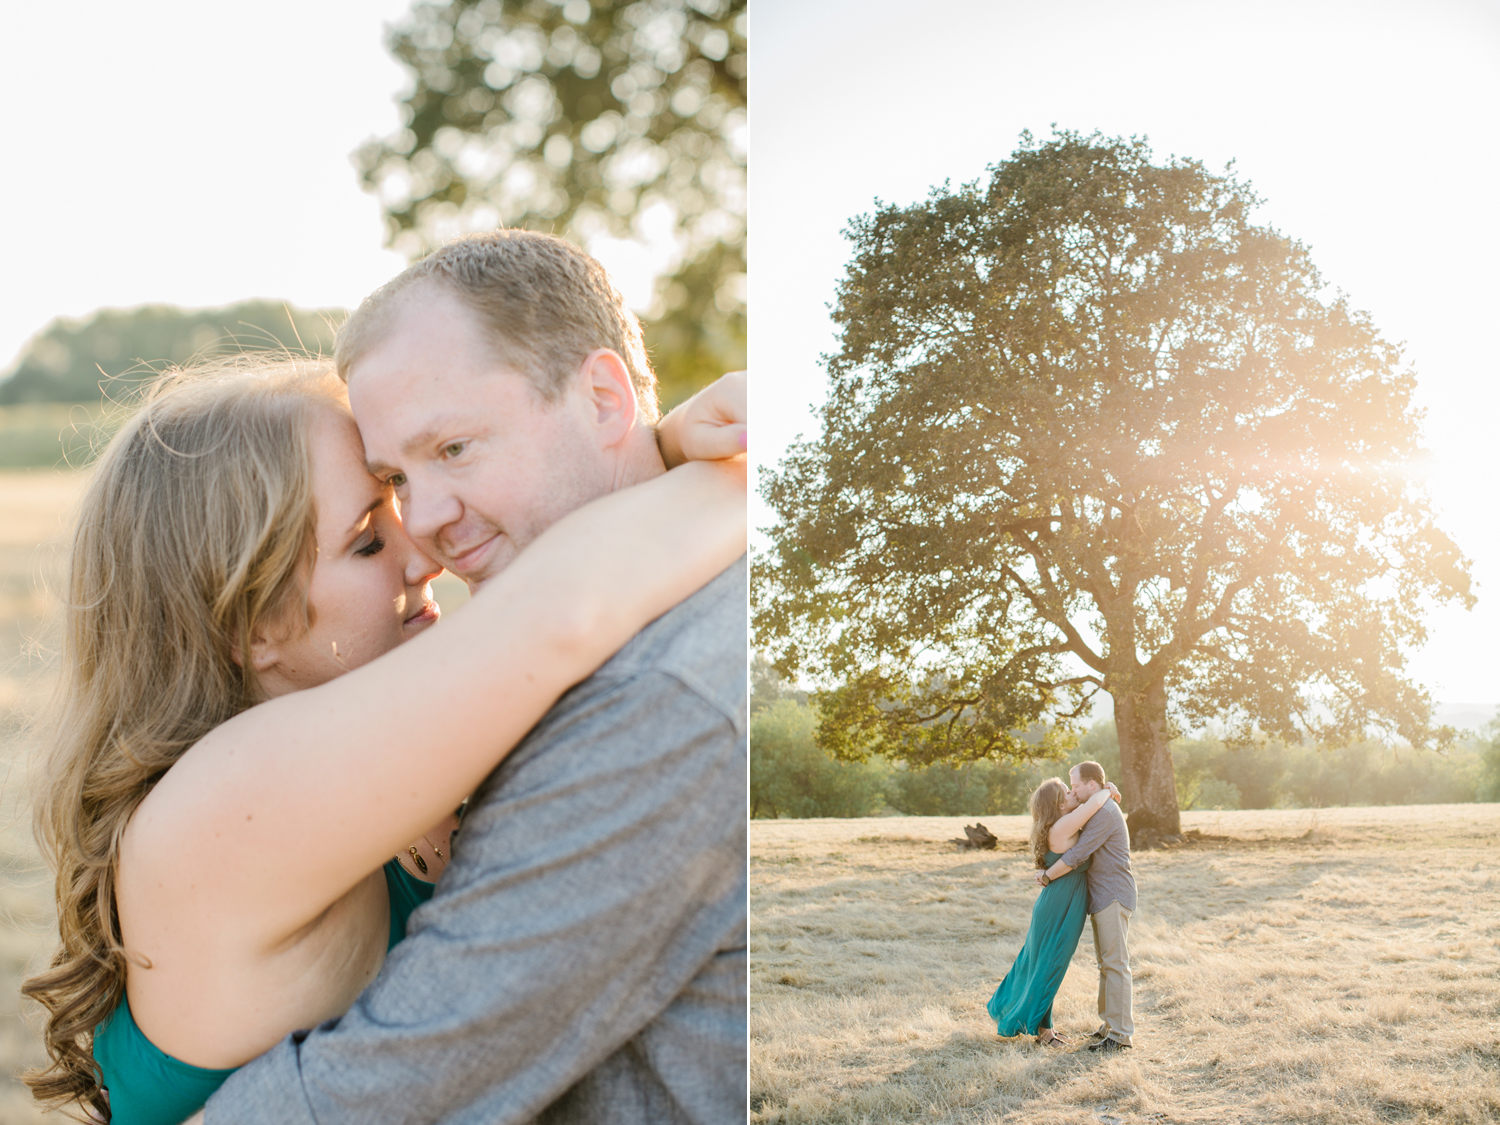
1367, 125
199, 154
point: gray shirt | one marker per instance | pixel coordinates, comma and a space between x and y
583, 958
1106, 838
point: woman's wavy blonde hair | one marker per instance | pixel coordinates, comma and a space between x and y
197, 526
1046, 807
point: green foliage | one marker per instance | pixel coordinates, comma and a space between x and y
596, 117
109, 353
1367, 773
766, 687
1100, 743
981, 788
1212, 774
1192, 767
1488, 783
1217, 794
1090, 428
791, 776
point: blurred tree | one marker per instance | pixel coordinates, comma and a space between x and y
766, 687
1194, 764
967, 789
941, 789
1217, 794
112, 350
1100, 743
1488, 782
790, 775
1090, 429
1256, 771
591, 118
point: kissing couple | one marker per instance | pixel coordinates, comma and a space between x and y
1081, 848
259, 742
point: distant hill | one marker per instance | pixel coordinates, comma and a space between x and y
63, 362
1465, 716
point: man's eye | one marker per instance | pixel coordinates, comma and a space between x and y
453, 449
396, 480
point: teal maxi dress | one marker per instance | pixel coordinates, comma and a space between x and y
1023, 1002
147, 1086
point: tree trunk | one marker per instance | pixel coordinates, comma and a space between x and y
1148, 785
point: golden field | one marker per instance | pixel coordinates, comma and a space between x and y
34, 510
1335, 965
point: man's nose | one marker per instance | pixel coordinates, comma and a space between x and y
426, 510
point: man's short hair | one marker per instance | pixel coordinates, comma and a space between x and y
544, 302
1091, 771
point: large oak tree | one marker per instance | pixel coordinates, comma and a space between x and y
1091, 429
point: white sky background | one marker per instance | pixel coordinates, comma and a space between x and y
1369, 127
190, 153
198, 154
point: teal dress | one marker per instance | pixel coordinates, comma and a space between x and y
147, 1086
1023, 1002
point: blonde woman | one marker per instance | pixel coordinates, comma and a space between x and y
1023, 1002
221, 804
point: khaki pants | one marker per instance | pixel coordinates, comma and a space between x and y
1111, 928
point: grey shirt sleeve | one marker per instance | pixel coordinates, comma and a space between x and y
600, 870
1091, 839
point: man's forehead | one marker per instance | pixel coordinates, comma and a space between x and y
422, 329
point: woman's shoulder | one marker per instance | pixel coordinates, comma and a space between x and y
1067, 842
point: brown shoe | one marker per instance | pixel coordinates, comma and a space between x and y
1109, 1045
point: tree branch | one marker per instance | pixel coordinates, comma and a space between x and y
1057, 618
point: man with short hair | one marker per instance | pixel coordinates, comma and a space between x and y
583, 958
1111, 903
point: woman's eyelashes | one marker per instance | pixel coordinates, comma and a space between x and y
372, 548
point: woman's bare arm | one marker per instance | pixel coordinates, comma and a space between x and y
290, 804
1070, 824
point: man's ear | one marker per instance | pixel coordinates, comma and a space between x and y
605, 381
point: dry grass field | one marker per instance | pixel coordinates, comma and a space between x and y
1338, 966
34, 506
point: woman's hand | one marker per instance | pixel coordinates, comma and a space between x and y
710, 426
1113, 792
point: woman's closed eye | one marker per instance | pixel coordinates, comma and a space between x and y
372, 548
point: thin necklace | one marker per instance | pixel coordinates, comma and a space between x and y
417, 856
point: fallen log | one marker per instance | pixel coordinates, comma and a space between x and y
978, 837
